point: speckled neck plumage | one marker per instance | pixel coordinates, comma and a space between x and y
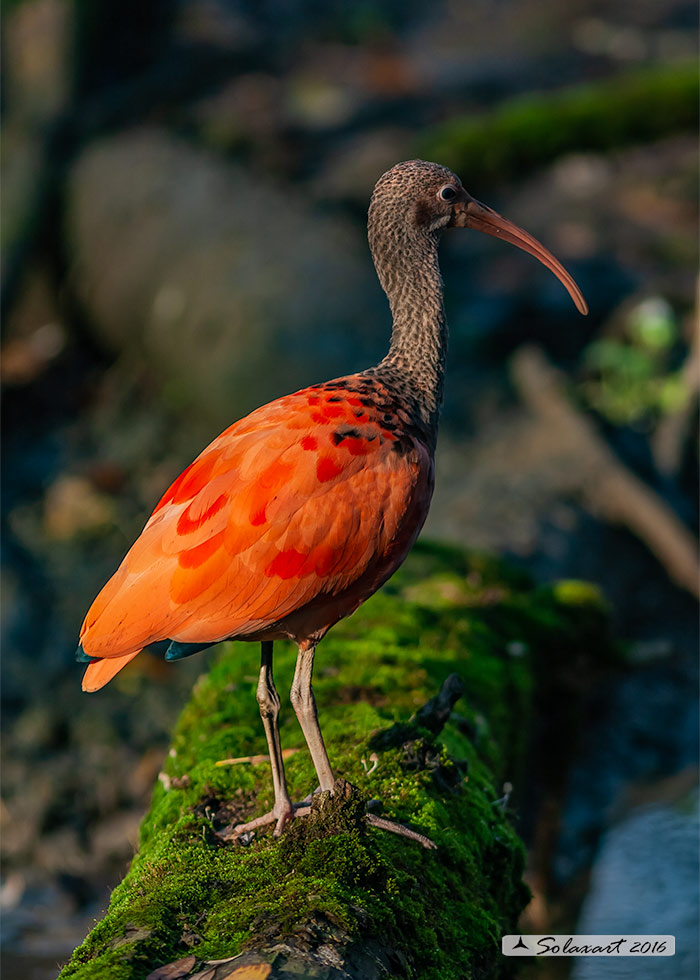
406, 259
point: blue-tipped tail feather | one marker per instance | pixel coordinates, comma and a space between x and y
84, 658
178, 651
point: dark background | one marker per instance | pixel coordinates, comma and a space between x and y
185, 191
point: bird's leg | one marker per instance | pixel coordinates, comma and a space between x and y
302, 698
269, 702
304, 704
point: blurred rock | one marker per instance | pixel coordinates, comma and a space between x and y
359, 159
232, 290
116, 837
317, 104
73, 506
633, 204
249, 108
20, 168
34, 333
640, 727
645, 882
37, 35
23, 360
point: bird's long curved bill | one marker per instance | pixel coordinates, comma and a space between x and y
475, 215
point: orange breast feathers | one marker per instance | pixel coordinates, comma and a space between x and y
293, 502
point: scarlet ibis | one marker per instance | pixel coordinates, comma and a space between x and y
298, 512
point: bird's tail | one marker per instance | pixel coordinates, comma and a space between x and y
101, 672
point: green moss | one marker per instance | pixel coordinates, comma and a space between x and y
530, 130
572, 592
444, 612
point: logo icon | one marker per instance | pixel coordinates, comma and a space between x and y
515, 946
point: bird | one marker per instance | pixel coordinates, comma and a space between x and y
292, 517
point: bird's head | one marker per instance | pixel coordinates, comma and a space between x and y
416, 200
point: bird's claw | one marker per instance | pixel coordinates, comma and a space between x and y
245, 832
282, 814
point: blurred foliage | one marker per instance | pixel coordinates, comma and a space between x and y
531, 130
631, 380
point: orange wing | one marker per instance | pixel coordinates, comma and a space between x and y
293, 502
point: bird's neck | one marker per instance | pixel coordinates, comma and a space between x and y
410, 275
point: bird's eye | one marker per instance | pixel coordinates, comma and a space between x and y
447, 193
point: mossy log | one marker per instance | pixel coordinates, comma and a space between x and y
529, 131
336, 897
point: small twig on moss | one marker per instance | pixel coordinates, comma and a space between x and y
398, 828
254, 760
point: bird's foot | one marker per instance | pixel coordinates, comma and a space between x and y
281, 814
285, 811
